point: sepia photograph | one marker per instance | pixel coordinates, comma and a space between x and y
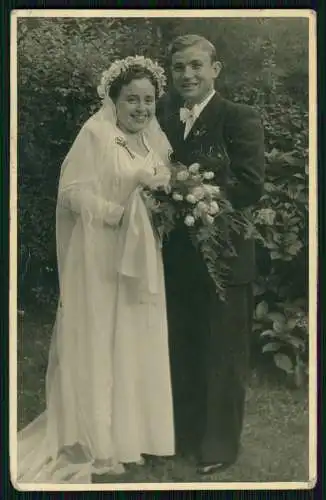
163, 282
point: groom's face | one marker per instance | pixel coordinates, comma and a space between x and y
193, 73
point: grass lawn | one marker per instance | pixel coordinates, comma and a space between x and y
275, 437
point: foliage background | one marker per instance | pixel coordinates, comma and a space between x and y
265, 62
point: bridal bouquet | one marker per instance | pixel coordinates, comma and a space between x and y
193, 200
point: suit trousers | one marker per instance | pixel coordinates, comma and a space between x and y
209, 353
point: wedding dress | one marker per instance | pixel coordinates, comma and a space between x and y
108, 383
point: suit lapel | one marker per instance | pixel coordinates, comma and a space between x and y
175, 127
210, 119
211, 114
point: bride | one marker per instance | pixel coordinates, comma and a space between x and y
108, 381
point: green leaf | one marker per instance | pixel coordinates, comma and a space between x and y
276, 316
299, 303
299, 176
268, 333
290, 159
295, 342
271, 245
269, 187
273, 155
283, 362
278, 326
295, 248
261, 309
272, 347
291, 238
275, 255
277, 237
292, 323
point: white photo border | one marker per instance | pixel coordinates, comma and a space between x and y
313, 246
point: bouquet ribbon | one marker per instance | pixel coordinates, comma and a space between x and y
138, 246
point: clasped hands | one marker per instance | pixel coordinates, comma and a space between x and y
151, 178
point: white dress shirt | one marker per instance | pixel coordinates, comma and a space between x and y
189, 116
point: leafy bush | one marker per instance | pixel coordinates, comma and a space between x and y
282, 225
266, 65
281, 222
283, 332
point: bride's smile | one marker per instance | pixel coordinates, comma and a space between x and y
135, 105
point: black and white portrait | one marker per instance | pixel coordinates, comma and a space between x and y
163, 192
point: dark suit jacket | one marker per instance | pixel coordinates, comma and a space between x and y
234, 131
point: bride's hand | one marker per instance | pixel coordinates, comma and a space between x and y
144, 177
156, 178
161, 178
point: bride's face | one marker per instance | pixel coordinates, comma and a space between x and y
135, 105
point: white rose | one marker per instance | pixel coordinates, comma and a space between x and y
182, 175
194, 168
196, 212
212, 190
191, 198
202, 207
198, 192
214, 208
189, 220
208, 175
177, 197
215, 190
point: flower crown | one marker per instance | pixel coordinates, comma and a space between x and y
120, 66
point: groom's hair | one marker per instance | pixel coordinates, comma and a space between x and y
183, 42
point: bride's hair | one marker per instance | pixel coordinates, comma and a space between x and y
132, 73
123, 71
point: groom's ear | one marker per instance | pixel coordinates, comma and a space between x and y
217, 65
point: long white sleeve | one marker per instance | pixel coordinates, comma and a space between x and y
78, 189
81, 200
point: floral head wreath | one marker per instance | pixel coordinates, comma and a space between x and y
121, 66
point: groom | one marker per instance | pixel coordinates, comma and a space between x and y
209, 339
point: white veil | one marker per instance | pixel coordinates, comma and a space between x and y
79, 192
